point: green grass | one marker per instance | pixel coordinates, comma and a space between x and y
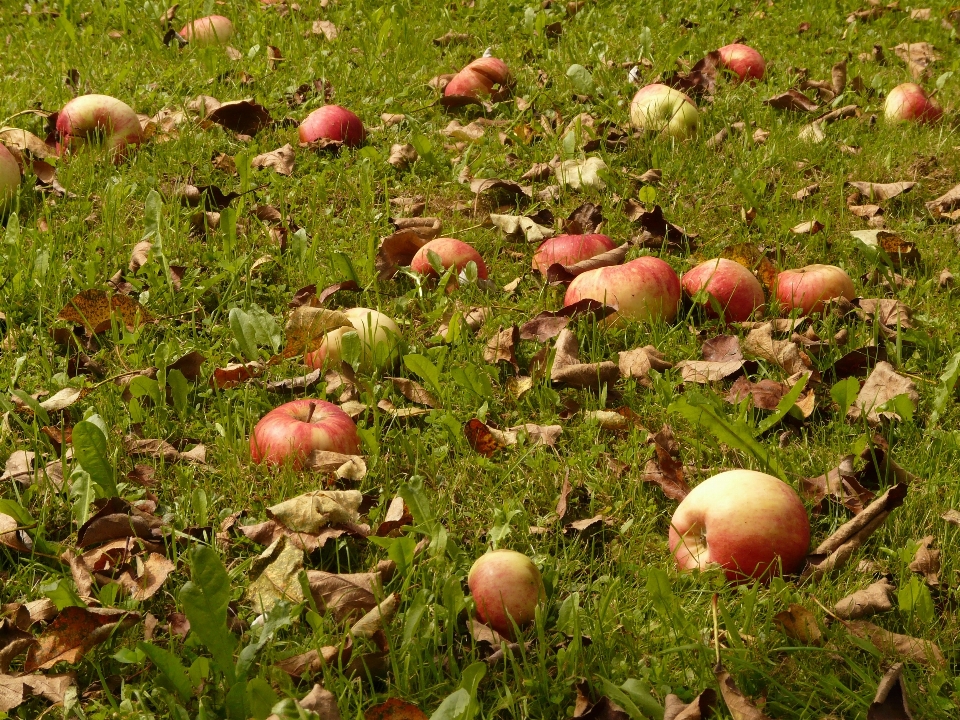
382, 62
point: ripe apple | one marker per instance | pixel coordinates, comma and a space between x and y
9, 177
379, 338
808, 288
661, 109
99, 116
743, 60
332, 122
478, 78
506, 588
734, 287
569, 250
210, 30
642, 289
909, 101
295, 429
749, 523
451, 252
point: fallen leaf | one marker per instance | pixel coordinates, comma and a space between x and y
946, 203
666, 469
244, 117
878, 192
521, 225
13, 537
347, 596
502, 346
325, 28
638, 363
841, 485
810, 227
313, 511
94, 309
413, 391
562, 274
620, 420
402, 156
577, 174
704, 372
371, 624
701, 80
739, 705
73, 633
27, 142
952, 517
798, 623
761, 344
792, 100
307, 326
700, 708
926, 562
322, 702
568, 370
925, 652
584, 220
806, 192
890, 701
13, 643
883, 384
875, 598
280, 160
917, 57
275, 576
237, 373
116, 518
654, 223
397, 250
481, 439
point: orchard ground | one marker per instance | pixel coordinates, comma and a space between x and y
616, 609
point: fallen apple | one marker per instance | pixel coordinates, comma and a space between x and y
102, 117
748, 523
662, 109
477, 80
332, 122
378, 336
569, 250
506, 589
292, 431
743, 60
643, 289
909, 101
452, 252
210, 30
734, 288
9, 177
808, 288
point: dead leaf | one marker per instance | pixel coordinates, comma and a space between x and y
116, 518
952, 517
521, 225
926, 562
806, 192
402, 156
875, 598
395, 708
890, 701
946, 203
841, 485
580, 174
704, 372
761, 344
325, 28
307, 326
94, 309
792, 100
620, 420
666, 470
236, 374
925, 652
73, 633
798, 623
810, 227
701, 81
562, 274
481, 439
322, 702
638, 363
917, 57
280, 160
13, 537
397, 250
883, 384
878, 192
739, 705
347, 596
244, 117
700, 708
413, 391
313, 511
584, 220
502, 346
654, 223
13, 643
275, 576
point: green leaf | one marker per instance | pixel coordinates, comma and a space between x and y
261, 698
948, 382
180, 390
205, 599
844, 393
626, 701
152, 214
425, 369
901, 404
237, 702
170, 667
399, 549
417, 500
474, 380
783, 407
699, 410
81, 488
343, 267
241, 325
454, 707
33, 404
142, 386
90, 450
62, 594
412, 616
351, 349
16, 511
914, 600
580, 79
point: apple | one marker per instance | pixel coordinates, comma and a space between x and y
379, 337
750, 524
909, 101
734, 287
808, 288
743, 60
210, 30
451, 252
642, 289
662, 109
99, 116
506, 589
292, 431
9, 177
569, 250
332, 122
478, 78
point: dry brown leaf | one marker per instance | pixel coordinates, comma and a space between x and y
883, 384
810, 227
666, 469
307, 326
275, 576
397, 250
638, 363
402, 156
325, 28
739, 705
116, 518
700, 708
502, 346
313, 511
917, 57
394, 709
890, 701
875, 598
413, 391
481, 439
926, 562
925, 652
761, 343
704, 372
952, 517
73, 633
236, 374
244, 117
346, 595
543, 327
13, 537
94, 309
806, 192
280, 160
878, 192
792, 100
25, 141
798, 623
13, 642
841, 484
562, 274
946, 203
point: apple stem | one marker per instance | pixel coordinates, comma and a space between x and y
313, 407
716, 628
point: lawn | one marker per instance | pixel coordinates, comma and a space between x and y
149, 307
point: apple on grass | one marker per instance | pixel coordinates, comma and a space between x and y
662, 109
743, 60
909, 101
291, 432
734, 288
750, 524
99, 116
378, 336
452, 252
332, 122
210, 30
506, 589
477, 80
809, 288
9, 177
569, 250
643, 289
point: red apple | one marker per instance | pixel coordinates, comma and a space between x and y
99, 116
210, 30
642, 289
477, 79
379, 338
808, 288
749, 523
662, 109
505, 586
451, 252
569, 250
9, 177
743, 60
736, 289
292, 431
332, 122
909, 101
